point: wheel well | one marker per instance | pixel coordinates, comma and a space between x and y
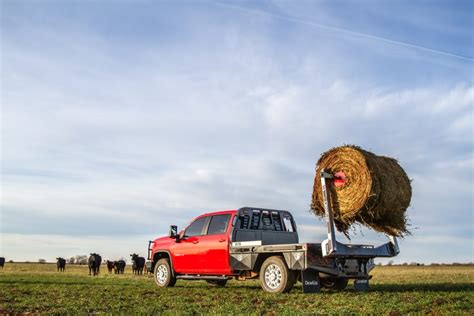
161, 255
264, 256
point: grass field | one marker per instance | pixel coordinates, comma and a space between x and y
394, 290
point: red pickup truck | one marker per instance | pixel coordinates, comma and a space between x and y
253, 242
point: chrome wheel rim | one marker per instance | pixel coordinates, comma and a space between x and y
273, 276
161, 274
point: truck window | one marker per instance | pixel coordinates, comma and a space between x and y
266, 221
196, 227
218, 224
288, 224
277, 221
255, 221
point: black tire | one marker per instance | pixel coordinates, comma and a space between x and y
334, 283
275, 277
219, 283
163, 275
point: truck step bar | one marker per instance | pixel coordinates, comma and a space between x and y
201, 277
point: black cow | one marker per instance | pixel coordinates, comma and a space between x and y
110, 265
94, 264
138, 264
119, 266
61, 264
2, 262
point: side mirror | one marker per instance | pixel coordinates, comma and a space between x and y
174, 232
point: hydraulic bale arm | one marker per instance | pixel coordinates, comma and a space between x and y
331, 247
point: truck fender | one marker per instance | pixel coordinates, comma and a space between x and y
157, 255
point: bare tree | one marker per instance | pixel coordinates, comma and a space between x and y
71, 260
81, 259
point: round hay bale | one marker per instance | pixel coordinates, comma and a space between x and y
371, 190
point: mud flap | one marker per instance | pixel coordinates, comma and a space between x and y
361, 285
310, 280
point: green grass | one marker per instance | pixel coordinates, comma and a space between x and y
394, 290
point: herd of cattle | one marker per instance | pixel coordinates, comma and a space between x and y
95, 260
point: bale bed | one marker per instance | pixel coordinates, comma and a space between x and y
369, 189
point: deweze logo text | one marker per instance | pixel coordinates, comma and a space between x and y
311, 282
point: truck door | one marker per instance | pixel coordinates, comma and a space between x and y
215, 246
186, 253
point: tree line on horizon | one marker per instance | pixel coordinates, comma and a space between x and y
77, 259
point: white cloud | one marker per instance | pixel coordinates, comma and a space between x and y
459, 98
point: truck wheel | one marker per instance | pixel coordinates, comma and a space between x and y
275, 276
219, 283
334, 283
163, 274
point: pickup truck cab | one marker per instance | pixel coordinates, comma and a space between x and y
205, 249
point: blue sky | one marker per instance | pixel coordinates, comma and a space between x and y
120, 118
